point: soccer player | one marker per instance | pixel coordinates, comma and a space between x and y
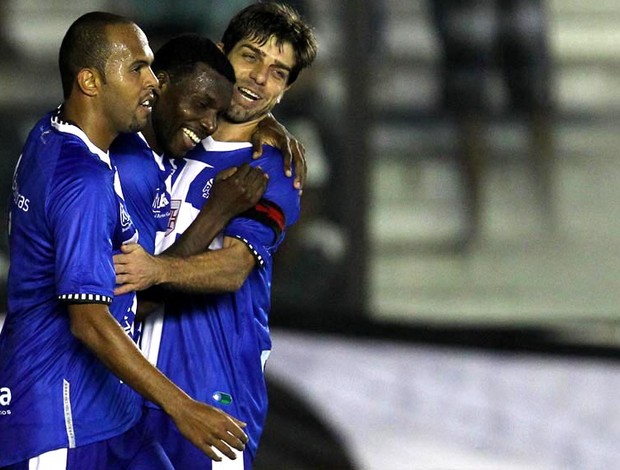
195, 87
190, 98
223, 338
69, 371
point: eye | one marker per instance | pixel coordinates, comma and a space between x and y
248, 56
280, 74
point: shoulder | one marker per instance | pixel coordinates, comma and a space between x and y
82, 170
130, 149
272, 163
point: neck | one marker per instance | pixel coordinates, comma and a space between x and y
235, 132
86, 118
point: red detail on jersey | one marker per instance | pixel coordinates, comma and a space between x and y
273, 213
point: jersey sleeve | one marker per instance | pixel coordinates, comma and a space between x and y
81, 211
263, 227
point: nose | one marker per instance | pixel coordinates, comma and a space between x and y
259, 73
150, 80
209, 122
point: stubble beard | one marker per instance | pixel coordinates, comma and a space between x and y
237, 114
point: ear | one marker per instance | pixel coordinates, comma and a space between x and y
88, 81
164, 79
220, 46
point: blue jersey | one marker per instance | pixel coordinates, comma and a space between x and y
145, 178
224, 340
67, 219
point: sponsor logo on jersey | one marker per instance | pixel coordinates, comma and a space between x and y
161, 200
223, 398
20, 201
5, 400
207, 189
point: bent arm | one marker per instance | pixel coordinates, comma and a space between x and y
216, 271
204, 425
94, 326
235, 190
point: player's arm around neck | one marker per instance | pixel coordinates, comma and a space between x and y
205, 426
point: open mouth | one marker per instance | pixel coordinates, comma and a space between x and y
147, 103
248, 94
191, 135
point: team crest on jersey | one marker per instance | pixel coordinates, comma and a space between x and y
175, 204
206, 190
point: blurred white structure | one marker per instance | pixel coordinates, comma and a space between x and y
403, 407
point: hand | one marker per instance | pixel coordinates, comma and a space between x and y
238, 189
136, 269
271, 132
208, 427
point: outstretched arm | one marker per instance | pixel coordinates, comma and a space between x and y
205, 426
271, 132
216, 271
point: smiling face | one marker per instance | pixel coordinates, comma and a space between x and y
187, 110
127, 91
262, 74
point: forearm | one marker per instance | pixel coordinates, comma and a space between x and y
216, 271
205, 426
211, 220
98, 330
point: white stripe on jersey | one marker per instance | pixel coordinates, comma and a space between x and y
151, 335
66, 398
228, 464
52, 460
69, 128
186, 213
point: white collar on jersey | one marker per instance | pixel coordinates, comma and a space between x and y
210, 144
70, 128
159, 159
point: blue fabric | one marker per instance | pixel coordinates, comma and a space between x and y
67, 219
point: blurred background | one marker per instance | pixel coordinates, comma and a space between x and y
450, 297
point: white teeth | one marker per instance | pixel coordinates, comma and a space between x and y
248, 93
192, 135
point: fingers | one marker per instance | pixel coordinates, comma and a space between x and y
240, 424
257, 147
123, 289
299, 158
225, 174
243, 171
210, 452
226, 441
130, 247
287, 155
253, 178
227, 449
